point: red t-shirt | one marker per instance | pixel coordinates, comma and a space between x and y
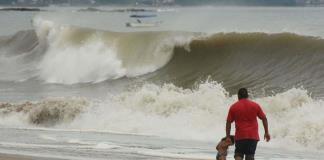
245, 113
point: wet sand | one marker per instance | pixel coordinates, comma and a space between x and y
21, 157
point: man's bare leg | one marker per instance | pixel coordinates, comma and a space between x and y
238, 156
222, 158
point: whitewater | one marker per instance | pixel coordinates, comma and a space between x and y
77, 84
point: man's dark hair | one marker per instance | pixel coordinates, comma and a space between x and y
242, 93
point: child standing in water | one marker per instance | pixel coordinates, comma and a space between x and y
222, 148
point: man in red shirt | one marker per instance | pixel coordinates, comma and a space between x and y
244, 113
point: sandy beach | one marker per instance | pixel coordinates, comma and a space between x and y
14, 157
21, 157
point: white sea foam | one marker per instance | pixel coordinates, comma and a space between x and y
173, 112
79, 55
168, 110
92, 62
43, 113
48, 137
295, 119
106, 146
200, 114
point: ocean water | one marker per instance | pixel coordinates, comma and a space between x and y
81, 85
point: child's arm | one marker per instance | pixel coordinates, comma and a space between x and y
217, 147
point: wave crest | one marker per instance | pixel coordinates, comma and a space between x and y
70, 54
78, 55
272, 62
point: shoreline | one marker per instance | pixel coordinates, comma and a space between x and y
7, 156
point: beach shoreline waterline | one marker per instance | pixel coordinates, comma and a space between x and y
4, 156
82, 145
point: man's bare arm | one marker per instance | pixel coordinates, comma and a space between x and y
266, 129
228, 129
228, 132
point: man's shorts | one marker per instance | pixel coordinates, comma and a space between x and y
245, 147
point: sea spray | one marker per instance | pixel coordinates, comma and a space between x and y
200, 114
79, 55
91, 62
48, 112
295, 118
174, 112
164, 110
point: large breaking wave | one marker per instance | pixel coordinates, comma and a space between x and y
68, 54
283, 71
77, 55
65, 54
